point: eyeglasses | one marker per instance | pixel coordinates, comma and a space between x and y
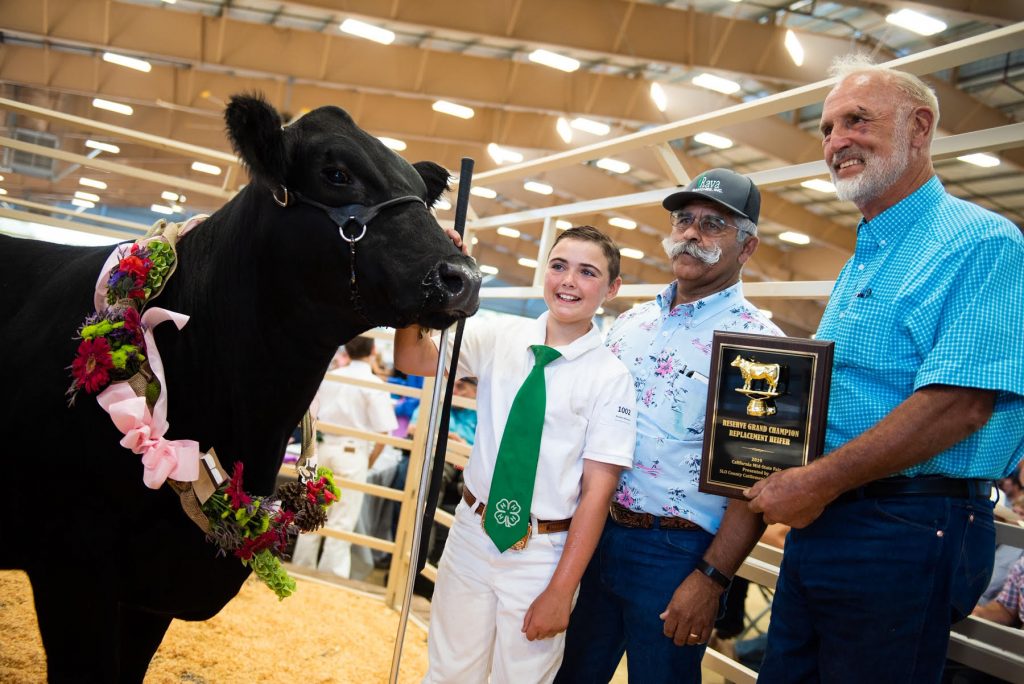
709, 225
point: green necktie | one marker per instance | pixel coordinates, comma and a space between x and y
507, 516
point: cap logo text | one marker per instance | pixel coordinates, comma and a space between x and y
709, 185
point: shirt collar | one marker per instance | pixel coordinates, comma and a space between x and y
892, 222
578, 347
702, 309
360, 367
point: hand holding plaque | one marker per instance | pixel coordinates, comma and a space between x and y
767, 403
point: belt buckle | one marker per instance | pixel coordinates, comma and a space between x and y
519, 545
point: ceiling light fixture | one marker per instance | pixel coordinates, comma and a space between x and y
659, 97
116, 107
2, 191
767, 313
169, 196
361, 29
562, 224
88, 182
538, 187
88, 196
129, 62
442, 204
794, 48
981, 159
554, 60
489, 270
392, 143
203, 167
919, 23
624, 223
500, 155
84, 204
102, 146
819, 185
590, 126
452, 109
563, 129
631, 253
613, 165
528, 263
794, 237
161, 209
719, 141
481, 191
508, 232
716, 83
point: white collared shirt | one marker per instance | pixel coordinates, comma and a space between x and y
589, 411
357, 407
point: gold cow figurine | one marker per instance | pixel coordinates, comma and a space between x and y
761, 403
769, 372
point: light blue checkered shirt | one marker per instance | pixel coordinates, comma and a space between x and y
932, 295
668, 352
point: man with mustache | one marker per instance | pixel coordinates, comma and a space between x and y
653, 587
893, 536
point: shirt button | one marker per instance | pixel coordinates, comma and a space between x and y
860, 267
664, 334
842, 314
939, 533
882, 243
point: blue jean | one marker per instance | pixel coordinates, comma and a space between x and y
868, 591
628, 584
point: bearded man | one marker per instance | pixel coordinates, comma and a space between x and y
893, 536
653, 586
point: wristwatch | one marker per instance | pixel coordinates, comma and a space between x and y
714, 573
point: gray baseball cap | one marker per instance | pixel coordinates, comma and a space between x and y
723, 187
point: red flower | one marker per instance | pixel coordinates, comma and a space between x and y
133, 325
136, 266
318, 492
234, 491
91, 368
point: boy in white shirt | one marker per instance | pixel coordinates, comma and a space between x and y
502, 614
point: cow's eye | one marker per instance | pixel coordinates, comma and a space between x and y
337, 176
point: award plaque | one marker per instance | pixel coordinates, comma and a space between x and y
767, 403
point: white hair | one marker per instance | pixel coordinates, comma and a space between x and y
916, 91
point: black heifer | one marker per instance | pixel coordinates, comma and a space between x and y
269, 294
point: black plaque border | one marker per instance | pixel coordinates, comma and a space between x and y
821, 351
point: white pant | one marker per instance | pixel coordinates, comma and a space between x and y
479, 603
349, 459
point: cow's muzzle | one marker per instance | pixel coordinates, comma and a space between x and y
454, 286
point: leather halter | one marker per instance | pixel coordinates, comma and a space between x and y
360, 215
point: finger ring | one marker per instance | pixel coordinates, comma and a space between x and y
694, 636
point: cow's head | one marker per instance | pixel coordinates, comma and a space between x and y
406, 269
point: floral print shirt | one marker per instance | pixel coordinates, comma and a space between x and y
668, 352
1012, 595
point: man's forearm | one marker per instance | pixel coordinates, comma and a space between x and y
737, 535
930, 421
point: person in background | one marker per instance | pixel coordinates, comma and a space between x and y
355, 407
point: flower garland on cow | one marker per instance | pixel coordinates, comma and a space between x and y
118, 359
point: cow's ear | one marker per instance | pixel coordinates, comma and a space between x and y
254, 128
435, 177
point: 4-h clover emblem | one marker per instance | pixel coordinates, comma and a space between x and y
507, 512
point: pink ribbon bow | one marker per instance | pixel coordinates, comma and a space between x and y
143, 431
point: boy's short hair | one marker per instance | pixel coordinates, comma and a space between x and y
359, 347
591, 234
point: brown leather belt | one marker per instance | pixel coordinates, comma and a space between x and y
543, 526
646, 521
